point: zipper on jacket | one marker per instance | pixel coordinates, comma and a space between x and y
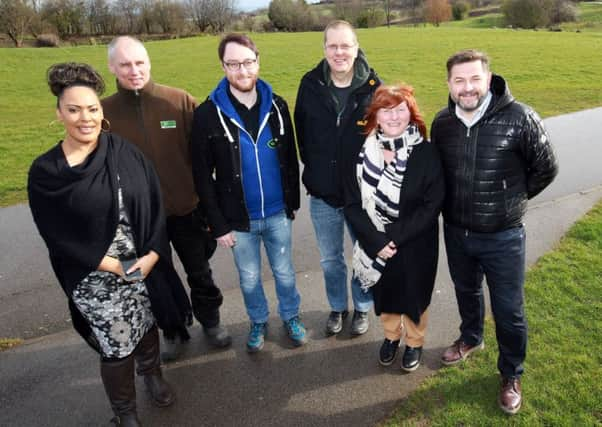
147, 142
257, 165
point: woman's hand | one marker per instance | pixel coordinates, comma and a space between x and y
110, 264
388, 251
227, 240
145, 264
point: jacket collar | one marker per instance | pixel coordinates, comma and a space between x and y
135, 95
501, 97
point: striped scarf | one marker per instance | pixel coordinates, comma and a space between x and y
380, 186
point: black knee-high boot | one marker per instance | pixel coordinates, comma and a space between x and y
148, 359
119, 378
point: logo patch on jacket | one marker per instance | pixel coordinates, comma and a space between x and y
272, 143
168, 124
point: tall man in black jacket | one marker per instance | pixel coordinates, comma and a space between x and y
496, 155
329, 119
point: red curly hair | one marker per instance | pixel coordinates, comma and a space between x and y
392, 96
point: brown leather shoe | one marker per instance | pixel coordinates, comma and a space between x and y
510, 395
459, 351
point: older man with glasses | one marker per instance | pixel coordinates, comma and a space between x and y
329, 118
246, 172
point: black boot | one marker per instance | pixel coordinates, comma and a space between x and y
119, 382
149, 365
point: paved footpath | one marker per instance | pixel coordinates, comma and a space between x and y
53, 379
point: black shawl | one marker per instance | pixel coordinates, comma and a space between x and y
76, 211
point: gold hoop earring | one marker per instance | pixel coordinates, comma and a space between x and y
53, 122
105, 125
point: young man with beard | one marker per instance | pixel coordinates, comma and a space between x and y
157, 119
329, 119
247, 176
496, 155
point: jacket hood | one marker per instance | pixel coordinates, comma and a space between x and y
220, 98
500, 92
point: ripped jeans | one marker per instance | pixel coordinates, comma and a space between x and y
276, 232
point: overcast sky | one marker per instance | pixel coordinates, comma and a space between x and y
248, 5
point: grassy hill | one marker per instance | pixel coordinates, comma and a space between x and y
554, 72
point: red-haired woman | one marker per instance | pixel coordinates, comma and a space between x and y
393, 195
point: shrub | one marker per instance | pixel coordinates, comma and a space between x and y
460, 10
527, 13
563, 11
48, 40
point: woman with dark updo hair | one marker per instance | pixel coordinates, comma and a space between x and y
96, 202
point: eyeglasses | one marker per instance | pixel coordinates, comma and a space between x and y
341, 47
249, 64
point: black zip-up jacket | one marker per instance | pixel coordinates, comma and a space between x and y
326, 137
494, 167
216, 166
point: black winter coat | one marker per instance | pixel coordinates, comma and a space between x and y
324, 137
493, 168
407, 282
216, 167
76, 211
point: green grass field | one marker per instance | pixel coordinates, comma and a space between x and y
562, 385
554, 72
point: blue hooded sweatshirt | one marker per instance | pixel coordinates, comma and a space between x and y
262, 185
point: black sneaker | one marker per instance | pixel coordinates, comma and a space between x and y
388, 351
411, 358
360, 323
334, 325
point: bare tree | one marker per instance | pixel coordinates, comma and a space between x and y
66, 16
199, 11
169, 15
127, 10
437, 11
15, 17
221, 12
387, 7
100, 17
210, 13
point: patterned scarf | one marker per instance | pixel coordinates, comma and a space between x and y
380, 186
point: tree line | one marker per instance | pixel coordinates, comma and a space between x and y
65, 19
49, 21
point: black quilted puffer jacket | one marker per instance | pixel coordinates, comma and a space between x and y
494, 167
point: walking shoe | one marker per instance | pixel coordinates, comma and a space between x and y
511, 397
256, 337
334, 325
296, 331
388, 351
360, 323
218, 336
411, 358
459, 351
126, 420
172, 348
159, 390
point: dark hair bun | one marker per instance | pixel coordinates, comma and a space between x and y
68, 74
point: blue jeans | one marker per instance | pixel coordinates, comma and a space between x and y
500, 257
275, 231
329, 227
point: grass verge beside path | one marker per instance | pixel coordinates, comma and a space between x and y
562, 385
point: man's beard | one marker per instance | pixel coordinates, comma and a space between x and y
248, 88
471, 107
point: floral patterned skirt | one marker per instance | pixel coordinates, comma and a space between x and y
118, 312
